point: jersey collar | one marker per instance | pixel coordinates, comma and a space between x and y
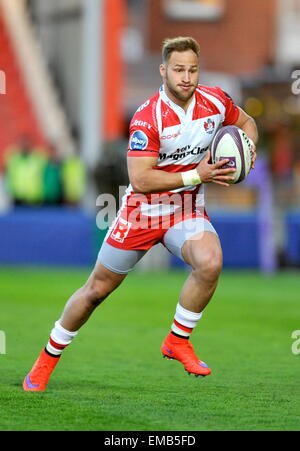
178, 110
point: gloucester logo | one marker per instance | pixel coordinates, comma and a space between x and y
209, 126
138, 140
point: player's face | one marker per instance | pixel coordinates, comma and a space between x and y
181, 76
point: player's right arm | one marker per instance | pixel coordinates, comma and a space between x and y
145, 179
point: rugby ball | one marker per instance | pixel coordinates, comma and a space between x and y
232, 143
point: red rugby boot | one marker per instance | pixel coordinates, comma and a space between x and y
39, 375
182, 350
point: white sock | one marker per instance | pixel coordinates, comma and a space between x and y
59, 339
184, 321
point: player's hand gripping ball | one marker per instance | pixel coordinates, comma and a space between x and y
233, 144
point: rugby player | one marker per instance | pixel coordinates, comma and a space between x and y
168, 164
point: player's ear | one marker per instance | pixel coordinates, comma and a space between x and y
162, 70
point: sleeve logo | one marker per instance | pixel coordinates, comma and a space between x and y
143, 106
138, 140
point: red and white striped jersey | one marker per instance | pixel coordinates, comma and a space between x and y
180, 140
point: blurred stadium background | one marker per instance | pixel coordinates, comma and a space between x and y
72, 74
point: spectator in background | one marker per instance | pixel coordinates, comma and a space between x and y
25, 167
36, 177
73, 180
52, 180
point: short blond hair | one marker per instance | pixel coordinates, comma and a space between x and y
179, 44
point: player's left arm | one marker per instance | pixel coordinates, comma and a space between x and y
248, 125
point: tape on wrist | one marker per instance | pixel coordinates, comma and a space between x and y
191, 177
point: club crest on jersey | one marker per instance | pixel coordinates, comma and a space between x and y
138, 140
209, 126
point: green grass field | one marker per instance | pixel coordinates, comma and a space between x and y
113, 377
